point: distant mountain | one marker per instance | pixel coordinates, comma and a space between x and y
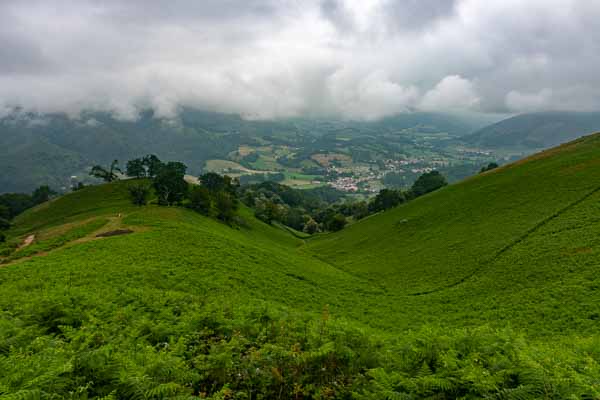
536, 130
48, 149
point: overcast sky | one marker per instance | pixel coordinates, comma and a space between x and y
356, 59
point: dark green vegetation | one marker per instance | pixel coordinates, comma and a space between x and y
483, 289
536, 130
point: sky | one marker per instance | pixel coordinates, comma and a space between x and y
263, 59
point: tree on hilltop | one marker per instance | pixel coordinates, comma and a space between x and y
169, 183
104, 174
136, 168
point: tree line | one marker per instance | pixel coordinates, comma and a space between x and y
310, 211
13, 204
215, 197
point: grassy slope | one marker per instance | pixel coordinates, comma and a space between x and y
187, 299
434, 260
197, 253
480, 252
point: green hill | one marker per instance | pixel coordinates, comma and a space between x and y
486, 288
535, 130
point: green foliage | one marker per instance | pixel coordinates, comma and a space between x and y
42, 194
152, 164
216, 183
136, 168
337, 223
107, 175
4, 212
311, 227
426, 183
488, 167
412, 303
226, 205
4, 224
169, 183
139, 194
16, 203
386, 199
200, 200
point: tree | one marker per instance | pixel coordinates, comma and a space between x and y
104, 174
311, 227
152, 165
16, 203
337, 223
386, 199
78, 186
226, 206
215, 182
200, 200
42, 194
2, 237
139, 194
4, 224
169, 183
295, 218
428, 182
136, 168
268, 211
360, 210
4, 212
489, 167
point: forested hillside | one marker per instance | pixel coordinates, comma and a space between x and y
536, 130
47, 149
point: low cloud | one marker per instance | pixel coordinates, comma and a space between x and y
270, 59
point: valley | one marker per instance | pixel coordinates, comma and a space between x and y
495, 275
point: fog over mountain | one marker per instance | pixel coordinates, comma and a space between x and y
283, 58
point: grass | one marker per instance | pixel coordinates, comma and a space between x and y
486, 288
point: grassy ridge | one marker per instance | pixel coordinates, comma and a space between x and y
440, 238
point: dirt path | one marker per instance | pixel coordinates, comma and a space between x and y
114, 224
28, 240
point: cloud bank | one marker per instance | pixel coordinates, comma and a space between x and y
282, 58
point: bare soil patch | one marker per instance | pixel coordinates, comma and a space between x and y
116, 232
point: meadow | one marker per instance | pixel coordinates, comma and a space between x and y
484, 289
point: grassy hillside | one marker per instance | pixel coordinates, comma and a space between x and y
436, 252
487, 288
536, 130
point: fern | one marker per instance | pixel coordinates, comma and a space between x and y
34, 394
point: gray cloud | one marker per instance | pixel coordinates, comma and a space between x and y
279, 58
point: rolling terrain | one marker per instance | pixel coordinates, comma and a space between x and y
536, 130
485, 288
47, 149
